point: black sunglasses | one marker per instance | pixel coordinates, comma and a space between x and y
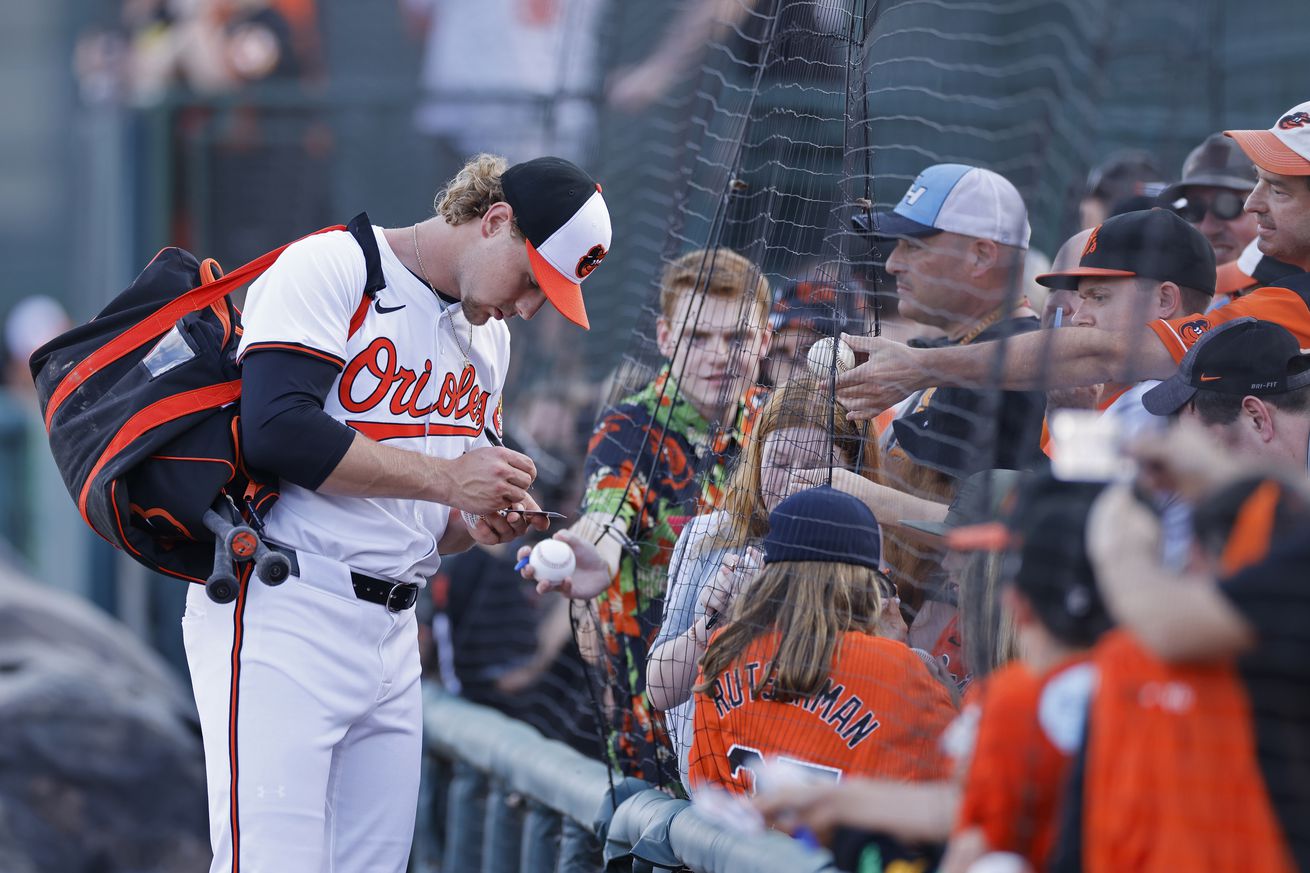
1226, 205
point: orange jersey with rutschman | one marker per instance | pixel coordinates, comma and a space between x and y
1286, 304
879, 714
1029, 727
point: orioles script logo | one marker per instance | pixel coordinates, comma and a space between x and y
375, 377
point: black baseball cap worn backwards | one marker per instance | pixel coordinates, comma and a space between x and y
1151, 243
1240, 357
560, 210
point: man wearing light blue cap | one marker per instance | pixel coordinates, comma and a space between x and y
962, 234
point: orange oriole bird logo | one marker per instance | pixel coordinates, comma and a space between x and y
1295, 120
1192, 330
591, 260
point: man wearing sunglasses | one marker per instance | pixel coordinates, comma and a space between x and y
1217, 177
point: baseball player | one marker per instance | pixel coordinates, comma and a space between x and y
380, 416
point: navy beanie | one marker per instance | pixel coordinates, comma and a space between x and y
823, 524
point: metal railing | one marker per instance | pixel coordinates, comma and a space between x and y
519, 802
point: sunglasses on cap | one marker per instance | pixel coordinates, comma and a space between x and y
1226, 205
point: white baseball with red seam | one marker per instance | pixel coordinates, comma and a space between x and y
820, 357
551, 561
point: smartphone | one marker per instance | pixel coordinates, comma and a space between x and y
532, 513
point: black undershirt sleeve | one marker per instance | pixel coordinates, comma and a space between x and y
284, 429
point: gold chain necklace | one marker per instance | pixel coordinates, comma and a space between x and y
445, 310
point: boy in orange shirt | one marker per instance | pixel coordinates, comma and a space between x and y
1030, 712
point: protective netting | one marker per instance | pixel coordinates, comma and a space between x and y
751, 152
759, 632
805, 120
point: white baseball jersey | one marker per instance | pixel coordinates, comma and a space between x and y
405, 381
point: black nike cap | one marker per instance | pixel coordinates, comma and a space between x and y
1240, 357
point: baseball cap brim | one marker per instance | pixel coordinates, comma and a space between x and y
893, 225
1230, 278
1067, 280
563, 294
990, 536
1169, 396
1204, 180
932, 528
1269, 153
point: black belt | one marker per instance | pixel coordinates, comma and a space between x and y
395, 596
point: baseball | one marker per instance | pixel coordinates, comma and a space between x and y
551, 561
820, 357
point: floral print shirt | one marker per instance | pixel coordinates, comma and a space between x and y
652, 462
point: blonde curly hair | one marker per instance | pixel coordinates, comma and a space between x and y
474, 190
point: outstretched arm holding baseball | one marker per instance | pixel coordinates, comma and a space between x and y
1064, 358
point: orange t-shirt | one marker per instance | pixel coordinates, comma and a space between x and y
1172, 780
1284, 306
880, 714
1028, 730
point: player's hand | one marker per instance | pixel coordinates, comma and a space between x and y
493, 529
590, 576
889, 374
487, 479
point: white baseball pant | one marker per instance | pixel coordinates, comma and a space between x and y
311, 713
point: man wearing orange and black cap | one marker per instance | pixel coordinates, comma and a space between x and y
1136, 267
1072, 357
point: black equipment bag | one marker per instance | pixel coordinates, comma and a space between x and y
141, 407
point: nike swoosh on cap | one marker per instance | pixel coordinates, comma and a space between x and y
1205, 378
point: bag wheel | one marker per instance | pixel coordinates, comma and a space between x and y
221, 588
272, 567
